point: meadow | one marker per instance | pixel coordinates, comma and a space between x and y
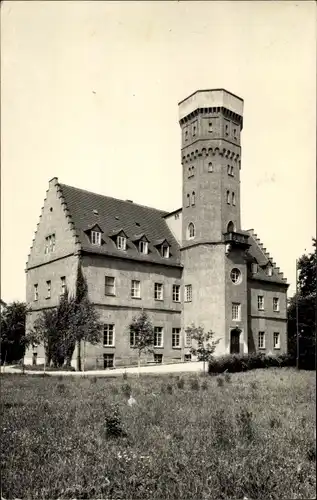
246, 435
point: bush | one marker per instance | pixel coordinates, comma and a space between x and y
233, 363
180, 383
194, 384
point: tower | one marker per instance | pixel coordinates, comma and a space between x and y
212, 242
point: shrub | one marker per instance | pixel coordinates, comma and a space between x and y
204, 385
169, 389
227, 378
113, 423
180, 383
194, 384
125, 376
232, 363
126, 389
245, 424
220, 381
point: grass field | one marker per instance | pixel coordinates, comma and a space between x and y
251, 436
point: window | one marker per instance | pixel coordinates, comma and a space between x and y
210, 127
186, 135
191, 230
96, 238
233, 199
36, 292
188, 339
210, 169
236, 311
269, 270
133, 338
109, 285
143, 247
235, 276
121, 242
158, 291
194, 130
48, 289
158, 358
276, 304
188, 201
108, 335
231, 171
135, 289
260, 303
276, 340
158, 336
193, 198
261, 342
235, 133
176, 293
187, 357
165, 252
254, 267
230, 227
188, 293
227, 129
108, 360
228, 197
49, 243
176, 337
63, 285
228, 169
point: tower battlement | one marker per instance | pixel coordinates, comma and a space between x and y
213, 98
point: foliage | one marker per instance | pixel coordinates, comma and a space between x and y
202, 347
232, 363
143, 332
189, 446
12, 326
305, 300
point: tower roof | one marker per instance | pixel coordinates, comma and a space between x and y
212, 98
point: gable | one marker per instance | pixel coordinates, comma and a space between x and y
54, 220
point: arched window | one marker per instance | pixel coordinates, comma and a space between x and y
233, 199
210, 167
228, 169
193, 198
188, 201
228, 197
230, 227
191, 230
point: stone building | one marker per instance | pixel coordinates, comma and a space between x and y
194, 265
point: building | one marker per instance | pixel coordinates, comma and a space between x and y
194, 265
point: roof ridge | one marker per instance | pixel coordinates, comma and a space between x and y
164, 212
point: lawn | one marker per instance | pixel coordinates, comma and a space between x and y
251, 436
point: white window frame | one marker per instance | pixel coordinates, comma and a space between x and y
165, 251
236, 311
261, 340
188, 293
49, 243
260, 302
176, 293
96, 238
276, 304
63, 285
158, 291
269, 270
158, 330
36, 292
109, 285
236, 272
143, 247
135, 289
48, 289
188, 339
121, 242
276, 345
176, 338
108, 330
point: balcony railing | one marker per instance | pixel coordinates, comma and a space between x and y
237, 239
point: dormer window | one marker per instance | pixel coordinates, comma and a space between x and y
165, 251
96, 238
144, 247
269, 270
121, 242
254, 267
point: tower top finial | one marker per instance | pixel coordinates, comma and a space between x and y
213, 98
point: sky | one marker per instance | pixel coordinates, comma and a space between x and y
90, 92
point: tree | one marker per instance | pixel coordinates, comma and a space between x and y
12, 324
203, 349
302, 308
141, 335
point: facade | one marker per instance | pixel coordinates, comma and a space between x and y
194, 265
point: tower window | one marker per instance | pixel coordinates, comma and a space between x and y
194, 130
235, 276
230, 227
254, 267
186, 135
210, 169
193, 198
210, 127
233, 199
165, 251
176, 293
188, 200
269, 271
228, 197
191, 231
35, 292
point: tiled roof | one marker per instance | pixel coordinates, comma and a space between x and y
257, 253
114, 215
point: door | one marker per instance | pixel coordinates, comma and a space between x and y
235, 341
